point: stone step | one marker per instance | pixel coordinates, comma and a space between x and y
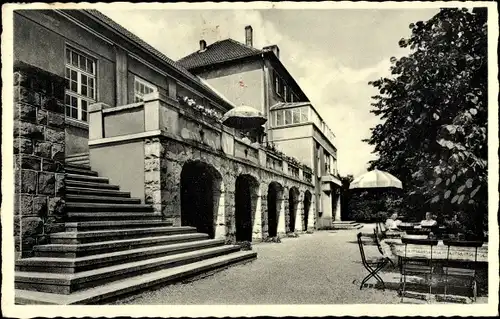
108, 216
96, 192
84, 162
101, 207
67, 283
80, 264
344, 222
347, 226
115, 234
79, 171
77, 155
75, 183
86, 178
113, 290
113, 224
81, 250
77, 166
101, 199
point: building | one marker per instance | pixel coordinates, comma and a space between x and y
123, 168
257, 77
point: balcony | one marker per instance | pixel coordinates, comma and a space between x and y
159, 115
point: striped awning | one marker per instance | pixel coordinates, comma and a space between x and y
376, 179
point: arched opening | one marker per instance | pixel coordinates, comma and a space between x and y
246, 195
274, 199
200, 195
293, 200
307, 208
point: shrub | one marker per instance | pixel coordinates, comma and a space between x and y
275, 239
244, 245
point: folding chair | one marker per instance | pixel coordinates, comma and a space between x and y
416, 265
452, 270
380, 249
381, 229
373, 267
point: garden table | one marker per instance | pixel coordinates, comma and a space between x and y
439, 252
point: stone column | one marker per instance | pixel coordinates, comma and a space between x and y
230, 184
282, 214
152, 173
220, 223
257, 221
39, 150
312, 215
299, 217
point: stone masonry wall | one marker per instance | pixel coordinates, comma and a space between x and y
164, 160
39, 152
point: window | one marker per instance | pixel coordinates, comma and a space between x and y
285, 93
288, 117
296, 116
291, 116
304, 114
80, 74
279, 118
142, 87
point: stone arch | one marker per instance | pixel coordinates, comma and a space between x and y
293, 204
202, 192
274, 203
246, 201
307, 208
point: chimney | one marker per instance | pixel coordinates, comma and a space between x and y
249, 35
273, 48
203, 45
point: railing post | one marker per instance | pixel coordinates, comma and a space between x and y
96, 121
262, 157
152, 111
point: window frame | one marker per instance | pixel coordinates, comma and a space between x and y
69, 94
146, 84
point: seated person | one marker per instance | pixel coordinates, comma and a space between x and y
428, 221
392, 222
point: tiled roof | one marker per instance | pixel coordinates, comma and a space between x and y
285, 105
220, 51
118, 28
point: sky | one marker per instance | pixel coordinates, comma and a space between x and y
332, 54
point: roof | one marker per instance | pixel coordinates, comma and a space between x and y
217, 52
286, 105
144, 45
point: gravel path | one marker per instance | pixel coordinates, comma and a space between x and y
319, 268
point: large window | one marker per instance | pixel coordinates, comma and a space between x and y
141, 88
291, 116
80, 84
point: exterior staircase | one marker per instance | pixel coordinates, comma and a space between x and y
346, 225
114, 245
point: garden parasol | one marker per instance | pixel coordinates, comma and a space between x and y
244, 117
376, 179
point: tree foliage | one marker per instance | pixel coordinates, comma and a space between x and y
434, 112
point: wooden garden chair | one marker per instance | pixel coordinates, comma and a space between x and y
372, 266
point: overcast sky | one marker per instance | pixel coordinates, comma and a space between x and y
331, 53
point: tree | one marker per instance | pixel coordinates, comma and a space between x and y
434, 107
